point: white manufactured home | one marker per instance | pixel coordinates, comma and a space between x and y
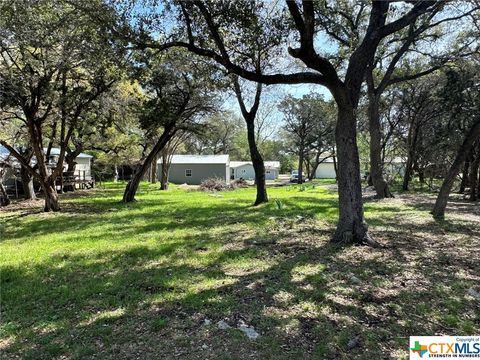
326, 170
82, 176
193, 169
244, 170
394, 166
83, 169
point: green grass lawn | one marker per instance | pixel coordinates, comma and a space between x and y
150, 280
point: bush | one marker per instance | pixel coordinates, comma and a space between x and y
214, 184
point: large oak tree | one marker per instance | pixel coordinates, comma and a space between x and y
54, 64
220, 31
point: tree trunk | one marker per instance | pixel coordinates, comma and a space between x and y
408, 173
411, 143
335, 168
351, 227
153, 171
313, 171
4, 199
376, 165
464, 182
474, 173
442, 198
421, 176
257, 162
164, 174
51, 197
307, 168
115, 173
71, 163
27, 184
46, 178
300, 166
132, 186
478, 185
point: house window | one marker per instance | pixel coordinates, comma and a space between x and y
188, 172
243, 171
268, 171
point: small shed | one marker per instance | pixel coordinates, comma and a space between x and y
244, 170
193, 169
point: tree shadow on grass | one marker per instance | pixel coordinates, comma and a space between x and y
146, 216
455, 205
306, 301
307, 298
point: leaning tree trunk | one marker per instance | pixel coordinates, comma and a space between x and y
132, 186
351, 227
376, 166
27, 184
257, 162
442, 198
474, 173
164, 173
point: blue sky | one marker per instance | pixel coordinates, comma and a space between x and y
272, 93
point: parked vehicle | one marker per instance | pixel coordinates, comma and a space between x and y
294, 176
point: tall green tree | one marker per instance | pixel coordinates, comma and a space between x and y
178, 95
221, 31
54, 64
310, 129
462, 95
405, 57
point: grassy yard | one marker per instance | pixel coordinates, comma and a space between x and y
151, 280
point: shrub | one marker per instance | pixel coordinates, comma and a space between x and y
214, 184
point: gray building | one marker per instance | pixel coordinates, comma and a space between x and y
244, 170
193, 169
